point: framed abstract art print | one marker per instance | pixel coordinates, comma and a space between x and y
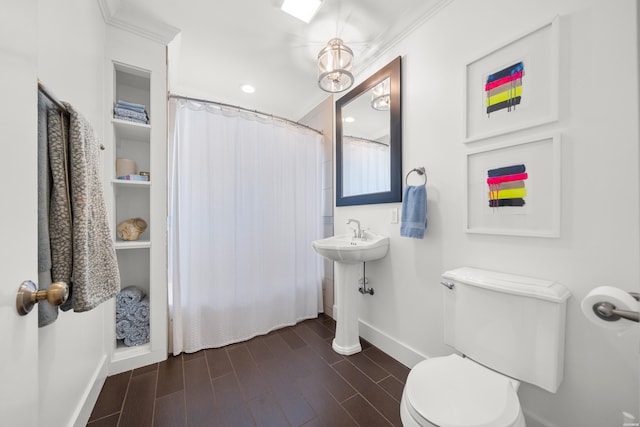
513, 188
514, 86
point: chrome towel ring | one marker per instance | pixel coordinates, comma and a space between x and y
420, 171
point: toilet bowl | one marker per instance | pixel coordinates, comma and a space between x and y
453, 391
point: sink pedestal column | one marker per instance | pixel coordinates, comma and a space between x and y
347, 340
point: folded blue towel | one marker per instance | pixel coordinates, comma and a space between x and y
121, 312
133, 177
123, 112
123, 328
414, 212
139, 314
130, 119
132, 316
131, 106
137, 335
129, 295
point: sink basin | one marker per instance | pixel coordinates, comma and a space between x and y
348, 250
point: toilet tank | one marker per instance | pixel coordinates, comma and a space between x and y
512, 324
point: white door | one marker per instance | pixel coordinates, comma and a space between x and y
18, 206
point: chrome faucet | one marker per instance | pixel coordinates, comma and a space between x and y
357, 233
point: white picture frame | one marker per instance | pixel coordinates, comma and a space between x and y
535, 96
537, 212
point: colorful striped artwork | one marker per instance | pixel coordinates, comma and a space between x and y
507, 186
504, 88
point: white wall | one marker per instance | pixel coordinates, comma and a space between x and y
321, 118
599, 241
71, 35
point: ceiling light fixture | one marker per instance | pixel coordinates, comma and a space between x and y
334, 67
304, 10
380, 97
247, 88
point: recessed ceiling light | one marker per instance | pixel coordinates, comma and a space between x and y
247, 88
349, 119
304, 10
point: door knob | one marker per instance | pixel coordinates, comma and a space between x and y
29, 295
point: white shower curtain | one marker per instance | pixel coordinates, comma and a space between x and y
365, 167
245, 195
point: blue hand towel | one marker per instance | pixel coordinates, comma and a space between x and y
414, 212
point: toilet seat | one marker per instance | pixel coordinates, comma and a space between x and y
452, 391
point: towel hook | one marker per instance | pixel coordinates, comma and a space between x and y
420, 171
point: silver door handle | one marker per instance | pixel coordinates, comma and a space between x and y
29, 295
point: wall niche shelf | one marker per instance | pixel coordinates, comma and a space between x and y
132, 198
125, 352
131, 130
136, 244
127, 183
136, 73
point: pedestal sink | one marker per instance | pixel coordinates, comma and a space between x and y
349, 255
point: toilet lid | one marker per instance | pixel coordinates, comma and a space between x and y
453, 391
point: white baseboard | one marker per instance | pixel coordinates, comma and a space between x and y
90, 395
394, 348
534, 420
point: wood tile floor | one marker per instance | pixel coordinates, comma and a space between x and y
289, 377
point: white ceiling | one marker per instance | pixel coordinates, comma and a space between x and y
222, 45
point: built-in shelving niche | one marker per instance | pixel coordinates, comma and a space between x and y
132, 199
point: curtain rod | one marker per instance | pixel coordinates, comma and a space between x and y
222, 104
46, 92
370, 141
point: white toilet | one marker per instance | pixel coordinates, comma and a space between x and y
509, 329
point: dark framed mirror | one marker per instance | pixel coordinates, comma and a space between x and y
369, 140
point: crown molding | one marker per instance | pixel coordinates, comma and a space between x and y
128, 20
373, 55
